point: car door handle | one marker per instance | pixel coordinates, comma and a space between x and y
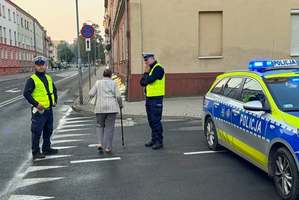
216, 104
235, 112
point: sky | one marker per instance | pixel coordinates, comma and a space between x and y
58, 17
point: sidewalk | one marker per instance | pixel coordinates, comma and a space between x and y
186, 107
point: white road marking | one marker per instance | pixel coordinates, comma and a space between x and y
77, 118
74, 122
28, 197
40, 168
202, 152
71, 130
65, 141
92, 145
64, 147
14, 90
7, 102
53, 157
32, 181
95, 160
68, 135
74, 125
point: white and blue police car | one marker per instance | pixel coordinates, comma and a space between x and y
255, 114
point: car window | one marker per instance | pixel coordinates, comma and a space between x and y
218, 89
252, 91
232, 88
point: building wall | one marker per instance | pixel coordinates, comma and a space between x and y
196, 40
8, 42
24, 38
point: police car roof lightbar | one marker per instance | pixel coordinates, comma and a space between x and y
265, 65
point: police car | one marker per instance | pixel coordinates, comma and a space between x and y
255, 114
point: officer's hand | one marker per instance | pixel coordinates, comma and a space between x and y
40, 107
147, 69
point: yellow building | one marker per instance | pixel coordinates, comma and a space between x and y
197, 39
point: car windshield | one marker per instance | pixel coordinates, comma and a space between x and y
285, 91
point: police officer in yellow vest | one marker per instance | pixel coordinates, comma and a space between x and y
41, 93
154, 82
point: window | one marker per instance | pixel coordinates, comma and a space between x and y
252, 91
3, 11
232, 88
295, 33
22, 22
10, 37
1, 36
9, 16
0, 10
4, 35
14, 17
15, 37
210, 34
218, 89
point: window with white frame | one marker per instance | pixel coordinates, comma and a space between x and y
1, 35
3, 11
9, 16
295, 32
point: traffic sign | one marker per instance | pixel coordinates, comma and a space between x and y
87, 44
87, 31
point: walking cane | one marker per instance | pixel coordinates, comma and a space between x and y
122, 128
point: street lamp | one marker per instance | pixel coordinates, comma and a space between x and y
79, 57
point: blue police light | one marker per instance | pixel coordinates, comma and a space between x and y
260, 66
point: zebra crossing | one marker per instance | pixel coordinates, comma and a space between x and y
72, 131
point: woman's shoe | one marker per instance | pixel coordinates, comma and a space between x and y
100, 149
108, 151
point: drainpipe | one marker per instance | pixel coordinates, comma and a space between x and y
128, 45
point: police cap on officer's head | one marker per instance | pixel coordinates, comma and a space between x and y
39, 60
148, 55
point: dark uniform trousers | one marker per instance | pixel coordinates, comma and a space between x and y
154, 108
42, 123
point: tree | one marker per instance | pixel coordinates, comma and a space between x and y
65, 53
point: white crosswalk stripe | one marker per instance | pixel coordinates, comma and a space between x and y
28, 197
32, 181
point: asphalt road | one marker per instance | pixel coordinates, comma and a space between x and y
184, 169
15, 136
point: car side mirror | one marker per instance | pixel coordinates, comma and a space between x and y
255, 106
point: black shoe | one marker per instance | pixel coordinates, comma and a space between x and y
37, 155
50, 152
149, 144
100, 150
157, 146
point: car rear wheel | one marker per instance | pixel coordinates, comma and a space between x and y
285, 174
211, 134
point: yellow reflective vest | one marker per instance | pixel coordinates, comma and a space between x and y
156, 88
40, 93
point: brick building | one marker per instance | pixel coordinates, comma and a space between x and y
21, 38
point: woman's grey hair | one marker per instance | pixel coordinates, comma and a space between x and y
107, 73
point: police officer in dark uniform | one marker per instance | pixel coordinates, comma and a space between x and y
41, 93
154, 82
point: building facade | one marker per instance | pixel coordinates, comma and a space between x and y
21, 38
197, 40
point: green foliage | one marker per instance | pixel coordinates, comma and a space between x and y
65, 53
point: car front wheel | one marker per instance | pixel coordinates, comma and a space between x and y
285, 174
211, 134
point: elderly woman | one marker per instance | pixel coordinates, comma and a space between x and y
108, 102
